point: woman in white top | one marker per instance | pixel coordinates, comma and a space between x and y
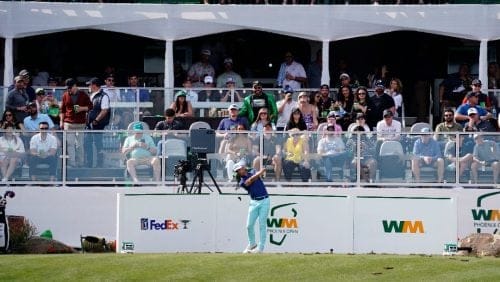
395, 89
11, 151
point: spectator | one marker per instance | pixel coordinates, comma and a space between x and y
296, 150
11, 151
229, 73
43, 149
41, 102
191, 95
179, 74
231, 95
343, 68
232, 122
73, 118
360, 121
98, 117
378, 103
367, 154
285, 107
110, 89
315, 100
17, 99
395, 91
453, 88
182, 107
314, 71
141, 150
477, 124
291, 73
200, 69
271, 151
296, 120
309, 112
332, 150
325, 103
27, 84
464, 158
31, 122
485, 154
258, 99
9, 117
331, 120
462, 114
262, 120
345, 101
56, 93
170, 123
238, 148
134, 93
53, 111
426, 152
447, 126
388, 128
208, 93
482, 99
361, 101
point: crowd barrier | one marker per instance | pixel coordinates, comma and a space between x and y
102, 162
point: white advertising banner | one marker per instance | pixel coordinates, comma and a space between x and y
478, 212
404, 225
165, 223
296, 223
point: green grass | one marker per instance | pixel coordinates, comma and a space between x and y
239, 267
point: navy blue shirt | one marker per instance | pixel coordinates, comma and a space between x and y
230, 124
256, 189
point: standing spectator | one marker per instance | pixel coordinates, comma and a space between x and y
426, 152
485, 154
291, 73
31, 122
199, 70
258, 99
314, 71
170, 123
141, 150
43, 149
378, 103
134, 93
110, 89
453, 88
98, 117
41, 102
296, 150
285, 107
223, 78
73, 117
395, 91
191, 95
27, 84
309, 112
11, 151
182, 107
325, 103
9, 117
231, 95
17, 99
345, 81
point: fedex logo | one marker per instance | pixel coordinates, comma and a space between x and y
153, 224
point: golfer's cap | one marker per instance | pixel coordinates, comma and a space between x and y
239, 165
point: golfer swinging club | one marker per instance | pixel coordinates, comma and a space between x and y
259, 205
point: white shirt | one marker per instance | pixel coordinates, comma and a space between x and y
104, 101
295, 69
284, 117
113, 94
388, 132
191, 96
39, 145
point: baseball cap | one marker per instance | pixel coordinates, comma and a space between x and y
239, 165
137, 127
344, 75
228, 61
302, 94
94, 81
18, 78
206, 52
288, 89
471, 94
24, 73
360, 115
40, 91
331, 114
379, 84
476, 82
233, 107
425, 130
32, 104
387, 113
256, 83
472, 111
230, 80
208, 79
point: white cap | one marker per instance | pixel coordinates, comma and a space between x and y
239, 165
208, 79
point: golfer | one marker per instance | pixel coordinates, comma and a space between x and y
259, 205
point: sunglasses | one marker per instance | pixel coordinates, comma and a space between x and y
110, 80
44, 128
8, 115
257, 87
362, 93
263, 113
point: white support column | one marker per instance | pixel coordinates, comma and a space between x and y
325, 73
483, 63
8, 71
168, 81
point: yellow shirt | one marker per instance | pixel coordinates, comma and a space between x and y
295, 151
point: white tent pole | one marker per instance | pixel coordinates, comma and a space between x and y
325, 71
8, 70
483, 63
169, 72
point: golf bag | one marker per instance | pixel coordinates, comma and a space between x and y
4, 224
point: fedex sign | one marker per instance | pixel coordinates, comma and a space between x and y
164, 224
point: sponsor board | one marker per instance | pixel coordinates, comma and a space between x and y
486, 213
403, 225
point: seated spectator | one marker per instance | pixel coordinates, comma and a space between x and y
395, 88
462, 113
223, 78
448, 125
296, 120
231, 95
237, 148
41, 101
464, 155
325, 103
309, 112
181, 106
11, 151
285, 107
296, 150
426, 152
209, 93
333, 152
388, 128
170, 123
271, 151
331, 120
9, 117
368, 162
191, 95
482, 98
485, 155
134, 93
361, 100
142, 150
43, 149
53, 111
32, 121
262, 120
476, 123
360, 121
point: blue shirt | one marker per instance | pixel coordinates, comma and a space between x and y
32, 124
429, 149
462, 109
256, 189
230, 124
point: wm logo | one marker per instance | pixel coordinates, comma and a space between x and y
403, 226
487, 215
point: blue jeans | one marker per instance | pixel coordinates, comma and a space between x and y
258, 209
334, 161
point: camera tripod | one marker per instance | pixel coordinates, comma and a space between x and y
201, 166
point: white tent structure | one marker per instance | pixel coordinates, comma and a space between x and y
323, 23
